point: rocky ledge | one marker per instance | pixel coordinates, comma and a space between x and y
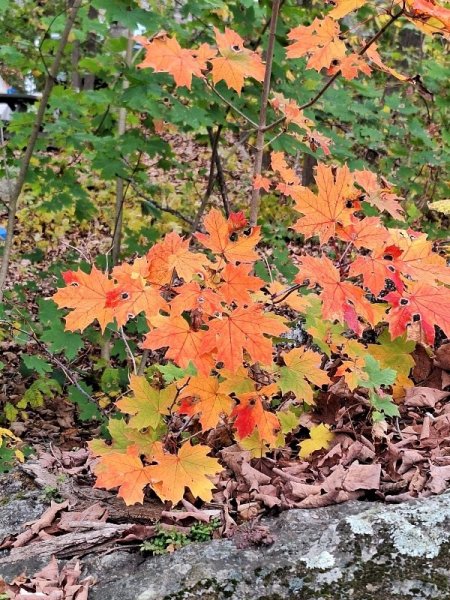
357, 551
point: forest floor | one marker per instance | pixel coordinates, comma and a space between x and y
409, 459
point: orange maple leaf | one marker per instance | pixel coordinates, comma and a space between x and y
278, 163
344, 7
261, 183
235, 62
434, 16
86, 295
373, 55
250, 414
125, 471
422, 303
368, 232
341, 299
350, 67
320, 41
381, 198
326, 210
184, 345
417, 259
173, 254
204, 396
165, 55
219, 238
191, 296
132, 294
190, 468
243, 328
375, 270
237, 283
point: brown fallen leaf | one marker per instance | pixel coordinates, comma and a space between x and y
423, 364
51, 583
424, 396
442, 357
439, 478
35, 527
253, 477
70, 519
362, 477
303, 490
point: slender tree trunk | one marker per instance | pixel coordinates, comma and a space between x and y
91, 49
309, 162
14, 200
76, 78
121, 128
256, 193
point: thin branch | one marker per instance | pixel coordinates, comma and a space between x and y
209, 188
158, 206
120, 201
143, 363
121, 128
231, 105
286, 293
330, 82
129, 352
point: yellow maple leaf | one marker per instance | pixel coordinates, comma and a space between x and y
302, 366
190, 468
320, 438
203, 396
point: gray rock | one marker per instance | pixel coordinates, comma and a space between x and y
20, 502
354, 551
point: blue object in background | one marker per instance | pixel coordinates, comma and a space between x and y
2, 233
11, 90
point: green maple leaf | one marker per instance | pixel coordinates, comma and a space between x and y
147, 404
384, 405
375, 376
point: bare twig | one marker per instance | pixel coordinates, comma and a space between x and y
256, 192
209, 188
231, 105
129, 352
143, 363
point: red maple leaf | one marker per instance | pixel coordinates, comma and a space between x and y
420, 302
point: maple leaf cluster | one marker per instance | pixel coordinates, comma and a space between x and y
230, 61
209, 315
321, 42
205, 312
216, 324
